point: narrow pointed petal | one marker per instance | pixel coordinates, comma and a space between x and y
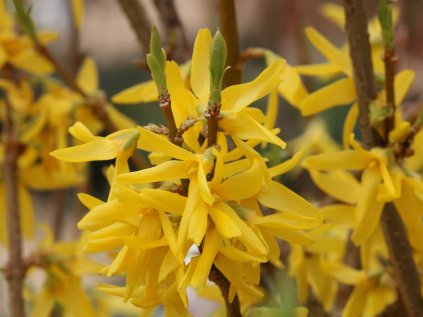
152, 142
246, 128
224, 224
87, 78
349, 125
368, 209
170, 170
323, 69
140, 93
403, 81
338, 184
231, 188
332, 53
212, 243
200, 68
338, 93
348, 159
163, 200
287, 165
283, 199
97, 150
235, 98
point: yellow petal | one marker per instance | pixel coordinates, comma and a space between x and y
200, 68
163, 200
339, 214
349, 125
356, 302
170, 235
286, 166
144, 92
272, 110
339, 184
292, 89
81, 132
332, 53
319, 69
184, 103
3, 56
252, 241
170, 170
343, 273
235, 98
236, 254
348, 159
152, 142
198, 223
89, 201
283, 199
212, 243
43, 304
403, 81
251, 179
97, 150
78, 9
368, 209
338, 93
287, 221
245, 127
224, 224
106, 214
29, 60
334, 12
74, 299
87, 78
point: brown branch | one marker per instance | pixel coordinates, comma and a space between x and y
15, 271
228, 24
395, 234
401, 256
390, 59
139, 20
365, 84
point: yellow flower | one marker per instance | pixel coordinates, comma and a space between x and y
237, 119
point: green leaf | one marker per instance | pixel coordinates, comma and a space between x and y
24, 20
386, 22
156, 48
158, 74
217, 66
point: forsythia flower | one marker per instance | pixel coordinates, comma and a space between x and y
211, 198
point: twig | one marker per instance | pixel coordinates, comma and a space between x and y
390, 59
15, 271
140, 22
402, 261
173, 26
400, 252
228, 24
365, 84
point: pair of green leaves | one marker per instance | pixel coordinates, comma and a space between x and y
156, 61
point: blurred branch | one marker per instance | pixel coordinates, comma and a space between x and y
178, 45
400, 252
365, 83
228, 24
15, 270
139, 20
